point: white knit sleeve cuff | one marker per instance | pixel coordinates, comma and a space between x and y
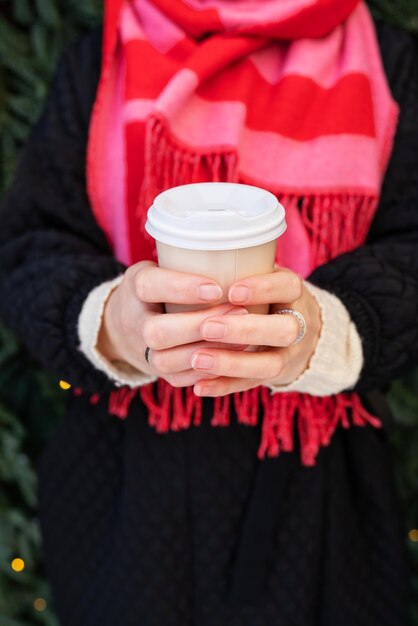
89, 323
338, 358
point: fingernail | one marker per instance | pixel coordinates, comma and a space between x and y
236, 311
213, 330
197, 390
201, 390
239, 293
209, 292
202, 361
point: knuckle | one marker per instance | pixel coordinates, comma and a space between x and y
298, 286
146, 331
152, 333
265, 372
276, 368
177, 291
130, 273
219, 363
125, 320
290, 331
160, 362
294, 282
142, 285
174, 380
242, 331
287, 339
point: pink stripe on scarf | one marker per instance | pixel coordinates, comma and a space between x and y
113, 186
205, 125
313, 58
141, 19
137, 110
107, 193
310, 166
283, 159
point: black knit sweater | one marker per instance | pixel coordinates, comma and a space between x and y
190, 528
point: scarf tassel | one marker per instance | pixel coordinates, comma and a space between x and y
285, 416
169, 164
335, 223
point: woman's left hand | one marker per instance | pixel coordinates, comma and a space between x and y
275, 359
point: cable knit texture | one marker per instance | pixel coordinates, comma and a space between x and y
89, 324
338, 359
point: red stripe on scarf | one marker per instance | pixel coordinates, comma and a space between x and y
295, 93
312, 21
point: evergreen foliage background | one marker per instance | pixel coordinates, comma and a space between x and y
32, 35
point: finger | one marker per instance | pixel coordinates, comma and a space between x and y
281, 286
156, 284
254, 330
223, 386
160, 332
179, 358
262, 365
185, 379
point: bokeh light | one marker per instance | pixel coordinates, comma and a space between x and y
17, 565
39, 604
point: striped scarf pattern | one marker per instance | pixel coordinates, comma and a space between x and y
286, 95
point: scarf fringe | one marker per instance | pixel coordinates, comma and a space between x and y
336, 223
285, 416
169, 164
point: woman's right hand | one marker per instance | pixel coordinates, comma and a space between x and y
134, 318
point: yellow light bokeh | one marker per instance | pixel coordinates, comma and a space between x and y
17, 565
64, 385
413, 535
39, 604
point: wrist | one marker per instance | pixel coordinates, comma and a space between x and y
299, 355
314, 322
106, 338
100, 340
336, 359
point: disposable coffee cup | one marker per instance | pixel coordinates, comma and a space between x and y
225, 231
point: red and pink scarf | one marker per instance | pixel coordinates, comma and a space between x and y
289, 95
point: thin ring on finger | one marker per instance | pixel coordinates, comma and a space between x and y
300, 319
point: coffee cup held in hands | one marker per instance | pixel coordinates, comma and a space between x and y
225, 231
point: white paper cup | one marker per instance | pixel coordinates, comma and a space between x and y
225, 231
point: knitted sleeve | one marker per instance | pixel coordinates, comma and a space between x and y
89, 324
52, 253
378, 282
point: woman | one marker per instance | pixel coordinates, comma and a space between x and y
288, 514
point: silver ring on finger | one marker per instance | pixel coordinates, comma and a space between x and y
300, 319
147, 351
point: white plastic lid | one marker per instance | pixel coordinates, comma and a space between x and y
215, 216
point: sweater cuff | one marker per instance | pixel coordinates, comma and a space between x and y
89, 323
338, 358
